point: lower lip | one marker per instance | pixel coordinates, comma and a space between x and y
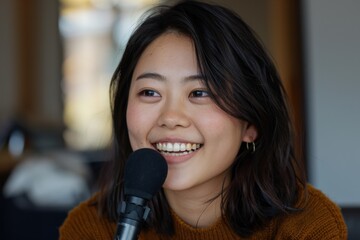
172, 159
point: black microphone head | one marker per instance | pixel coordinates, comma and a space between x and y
145, 173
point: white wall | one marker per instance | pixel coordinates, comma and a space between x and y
332, 61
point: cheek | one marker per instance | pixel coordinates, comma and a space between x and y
134, 121
140, 121
226, 132
132, 116
221, 124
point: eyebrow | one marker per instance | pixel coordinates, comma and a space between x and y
160, 77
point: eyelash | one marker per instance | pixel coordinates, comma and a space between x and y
149, 93
193, 94
196, 93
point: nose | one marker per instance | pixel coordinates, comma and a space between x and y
174, 115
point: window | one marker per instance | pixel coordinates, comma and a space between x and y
94, 34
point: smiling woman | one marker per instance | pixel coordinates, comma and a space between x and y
196, 85
179, 111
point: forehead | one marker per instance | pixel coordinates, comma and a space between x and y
170, 45
168, 49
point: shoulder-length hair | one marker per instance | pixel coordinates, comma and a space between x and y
244, 83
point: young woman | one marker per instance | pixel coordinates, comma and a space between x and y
196, 85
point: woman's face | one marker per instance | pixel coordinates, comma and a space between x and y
169, 109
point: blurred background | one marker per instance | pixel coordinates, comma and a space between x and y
56, 61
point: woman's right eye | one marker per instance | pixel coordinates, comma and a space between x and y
149, 93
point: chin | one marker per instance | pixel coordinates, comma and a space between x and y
175, 185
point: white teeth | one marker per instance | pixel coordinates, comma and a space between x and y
182, 147
169, 147
177, 147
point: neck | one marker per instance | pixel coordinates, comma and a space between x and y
199, 207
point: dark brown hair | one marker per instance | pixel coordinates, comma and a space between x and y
244, 83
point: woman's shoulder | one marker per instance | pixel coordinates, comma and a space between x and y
318, 205
85, 211
85, 221
316, 198
318, 218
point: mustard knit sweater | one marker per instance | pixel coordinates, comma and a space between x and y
320, 219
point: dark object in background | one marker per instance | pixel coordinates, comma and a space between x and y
37, 137
21, 221
352, 220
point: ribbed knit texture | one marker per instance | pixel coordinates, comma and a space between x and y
320, 219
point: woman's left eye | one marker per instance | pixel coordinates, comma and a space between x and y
199, 94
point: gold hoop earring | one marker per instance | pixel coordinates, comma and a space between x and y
250, 146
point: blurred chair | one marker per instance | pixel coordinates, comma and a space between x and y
41, 180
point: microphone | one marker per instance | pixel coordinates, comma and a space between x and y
144, 175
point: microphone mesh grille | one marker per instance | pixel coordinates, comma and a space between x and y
145, 173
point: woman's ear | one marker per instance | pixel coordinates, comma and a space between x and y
250, 133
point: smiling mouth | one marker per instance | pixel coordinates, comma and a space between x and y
177, 149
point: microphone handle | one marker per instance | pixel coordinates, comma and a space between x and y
133, 212
128, 229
